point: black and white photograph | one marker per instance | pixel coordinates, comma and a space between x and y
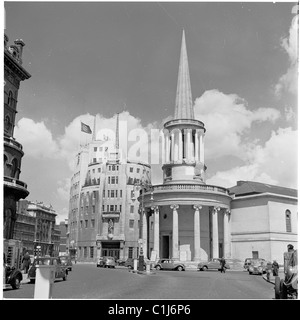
150, 153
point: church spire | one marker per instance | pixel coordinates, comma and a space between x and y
184, 107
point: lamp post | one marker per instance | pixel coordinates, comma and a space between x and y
142, 186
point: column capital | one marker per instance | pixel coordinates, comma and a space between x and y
227, 212
197, 207
174, 206
155, 208
216, 209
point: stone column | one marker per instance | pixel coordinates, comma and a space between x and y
227, 245
197, 146
144, 234
175, 252
197, 244
201, 148
215, 232
189, 145
180, 146
168, 148
172, 146
156, 231
176, 145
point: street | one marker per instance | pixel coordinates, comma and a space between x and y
86, 281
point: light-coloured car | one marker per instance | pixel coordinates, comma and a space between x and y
106, 262
257, 266
169, 264
66, 261
213, 264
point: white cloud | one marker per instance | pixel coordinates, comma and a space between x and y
227, 118
289, 81
36, 139
63, 189
273, 163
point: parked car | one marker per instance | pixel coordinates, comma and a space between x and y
169, 264
66, 261
213, 264
129, 263
106, 262
12, 277
120, 262
61, 271
257, 266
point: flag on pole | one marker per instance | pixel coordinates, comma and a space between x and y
85, 128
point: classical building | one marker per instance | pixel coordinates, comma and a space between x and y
103, 213
188, 220
14, 188
264, 220
63, 244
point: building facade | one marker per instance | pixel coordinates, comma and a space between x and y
188, 220
63, 228
103, 214
14, 188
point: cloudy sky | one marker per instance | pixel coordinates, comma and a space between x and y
101, 58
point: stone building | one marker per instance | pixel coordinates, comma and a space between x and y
14, 188
188, 220
103, 215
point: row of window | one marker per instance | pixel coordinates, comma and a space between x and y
87, 252
85, 223
111, 208
113, 193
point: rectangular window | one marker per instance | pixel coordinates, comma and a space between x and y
131, 223
117, 180
108, 193
116, 193
93, 223
92, 252
85, 252
95, 148
107, 208
103, 208
94, 160
94, 209
116, 207
113, 180
120, 208
103, 193
112, 193
99, 169
131, 209
130, 252
120, 193
81, 224
130, 169
108, 180
113, 167
111, 207
86, 223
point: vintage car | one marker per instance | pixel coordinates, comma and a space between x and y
169, 264
287, 288
66, 261
106, 262
257, 266
12, 277
213, 264
61, 271
130, 261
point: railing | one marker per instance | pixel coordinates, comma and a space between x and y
182, 186
184, 121
12, 142
15, 182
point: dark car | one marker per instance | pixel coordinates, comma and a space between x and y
61, 272
257, 266
12, 277
67, 262
247, 263
169, 264
106, 262
213, 264
129, 263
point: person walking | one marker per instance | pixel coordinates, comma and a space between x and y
26, 262
223, 262
275, 267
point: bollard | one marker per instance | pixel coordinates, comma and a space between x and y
135, 264
148, 268
44, 280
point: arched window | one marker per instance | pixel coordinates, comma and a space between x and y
288, 221
7, 123
14, 168
10, 99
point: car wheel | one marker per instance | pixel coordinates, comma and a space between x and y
16, 283
250, 272
157, 267
180, 268
204, 268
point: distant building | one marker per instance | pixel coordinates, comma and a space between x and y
56, 240
63, 245
14, 188
103, 213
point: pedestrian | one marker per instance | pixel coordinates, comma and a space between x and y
222, 263
275, 267
26, 262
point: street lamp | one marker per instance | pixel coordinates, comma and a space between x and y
142, 186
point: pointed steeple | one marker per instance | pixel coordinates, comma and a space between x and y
184, 106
